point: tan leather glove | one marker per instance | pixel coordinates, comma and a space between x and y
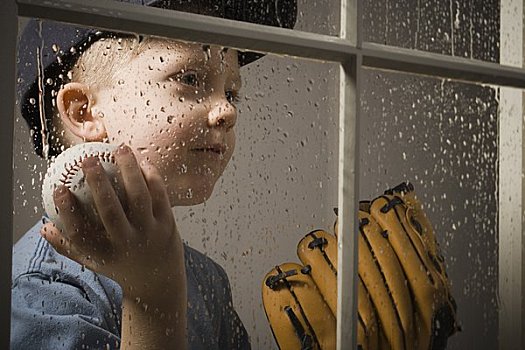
408, 231
301, 300
403, 302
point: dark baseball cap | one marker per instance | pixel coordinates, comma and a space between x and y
47, 50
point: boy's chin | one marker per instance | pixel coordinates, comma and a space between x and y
190, 196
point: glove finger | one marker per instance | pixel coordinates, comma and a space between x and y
407, 248
417, 219
395, 218
376, 287
318, 250
423, 279
418, 222
369, 329
296, 310
391, 270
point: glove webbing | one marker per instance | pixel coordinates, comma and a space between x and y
391, 205
384, 233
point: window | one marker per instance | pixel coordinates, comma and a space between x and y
386, 92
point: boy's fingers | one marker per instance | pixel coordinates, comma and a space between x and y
106, 201
160, 201
74, 225
52, 234
138, 195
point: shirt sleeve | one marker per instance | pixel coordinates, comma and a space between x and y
58, 313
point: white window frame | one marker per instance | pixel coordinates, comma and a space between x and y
349, 50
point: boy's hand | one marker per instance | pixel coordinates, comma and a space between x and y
138, 246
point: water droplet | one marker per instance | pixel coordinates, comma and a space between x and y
32, 101
207, 51
181, 99
170, 119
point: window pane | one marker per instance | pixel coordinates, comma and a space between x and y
464, 29
176, 104
442, 136
320, 16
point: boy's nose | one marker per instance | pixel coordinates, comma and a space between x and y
222, 114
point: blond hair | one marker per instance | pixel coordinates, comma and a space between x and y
103, 59
97, 67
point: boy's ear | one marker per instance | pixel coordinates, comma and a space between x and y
74, 104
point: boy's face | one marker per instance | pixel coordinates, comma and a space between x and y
174, 105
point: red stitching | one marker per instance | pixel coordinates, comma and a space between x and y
73, 169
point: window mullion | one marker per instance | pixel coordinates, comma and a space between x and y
117, 16
348, 191
192, 27
8, 30
410, 61
510, 185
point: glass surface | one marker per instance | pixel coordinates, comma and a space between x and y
319, 16
457, 28
442, 136
280, 184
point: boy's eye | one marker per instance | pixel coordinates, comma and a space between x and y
232, 97
187, 78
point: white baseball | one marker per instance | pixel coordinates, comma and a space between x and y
66, 170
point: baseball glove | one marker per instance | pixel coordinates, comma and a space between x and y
404, 299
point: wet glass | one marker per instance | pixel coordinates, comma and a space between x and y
468, 29
280, 184
442, 136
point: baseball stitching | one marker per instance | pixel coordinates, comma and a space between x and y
73, 169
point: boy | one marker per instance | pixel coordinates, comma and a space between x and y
170, 107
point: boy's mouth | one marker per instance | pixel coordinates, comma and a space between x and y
217, 148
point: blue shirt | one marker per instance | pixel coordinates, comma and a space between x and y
57, 304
